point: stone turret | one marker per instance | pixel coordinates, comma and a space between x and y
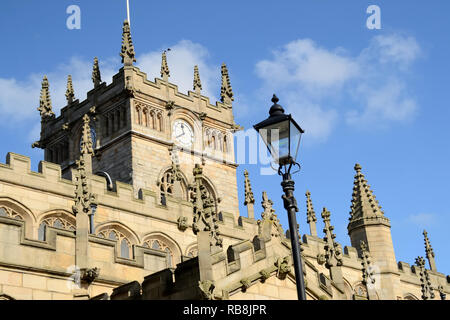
368, 224
45, 103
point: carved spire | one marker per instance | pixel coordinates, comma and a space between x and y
197, 81
205, 213
310, 215
83, 196
165, 72
45, 103
269, 225
96, 76
427, 289
86, 138
364, 205
127, 53
429, 251
333, 253
368, 274
249, 198
70, 94
226, 92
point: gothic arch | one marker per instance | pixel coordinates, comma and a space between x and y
133, 237
410, 296
5, 297
184, 181
211, 187
165, 242
15, 209
124, 236
61, 219
348, 290
192, 249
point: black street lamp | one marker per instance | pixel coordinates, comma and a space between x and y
282, 136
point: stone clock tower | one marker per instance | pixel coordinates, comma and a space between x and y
143, 129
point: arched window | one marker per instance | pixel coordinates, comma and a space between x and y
146, 117
122, 240
153, 119
139, 115
225, 144
160, 122
158, 244
9, 213
58, 220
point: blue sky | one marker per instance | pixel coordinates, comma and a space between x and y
376, 97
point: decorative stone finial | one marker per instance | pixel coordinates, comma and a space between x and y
429, 251
197, 82
165, 72
269, 226
427, 289
204, 207
69, 92
226, 92
333, 253
127, 53
310, 215
96, 76
368, 274
364, 207
86, 138
249, 198
45, 103
83, 196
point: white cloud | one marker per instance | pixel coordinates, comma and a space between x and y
19, 99
181, 59
422, 219
315, 80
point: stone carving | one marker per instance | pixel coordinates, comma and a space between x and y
165, 72
442, 292
264, 275
90, 274
429, 251
197, 81
65, 127
202, 116
226, 92
368, 274
283, 267
182, 223
170, 106
70, 94
207, 289
129, 89
205, 212
96, 76
249, 198
45, 103
333, 254
86, 141
36, 144
83, 197
127, 53
246, 283
269, 225
427, 289
310, 215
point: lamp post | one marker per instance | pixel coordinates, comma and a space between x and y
282, 134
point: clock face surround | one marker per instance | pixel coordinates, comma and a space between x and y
182, 133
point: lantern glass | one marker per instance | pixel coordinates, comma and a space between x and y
282, 139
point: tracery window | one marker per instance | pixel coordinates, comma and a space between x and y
157, 244
56, 221
115, 235
9, 213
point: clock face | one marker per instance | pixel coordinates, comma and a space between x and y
182, 133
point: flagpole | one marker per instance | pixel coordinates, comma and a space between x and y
128, 12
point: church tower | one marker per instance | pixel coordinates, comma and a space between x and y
369, 225
142, 129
